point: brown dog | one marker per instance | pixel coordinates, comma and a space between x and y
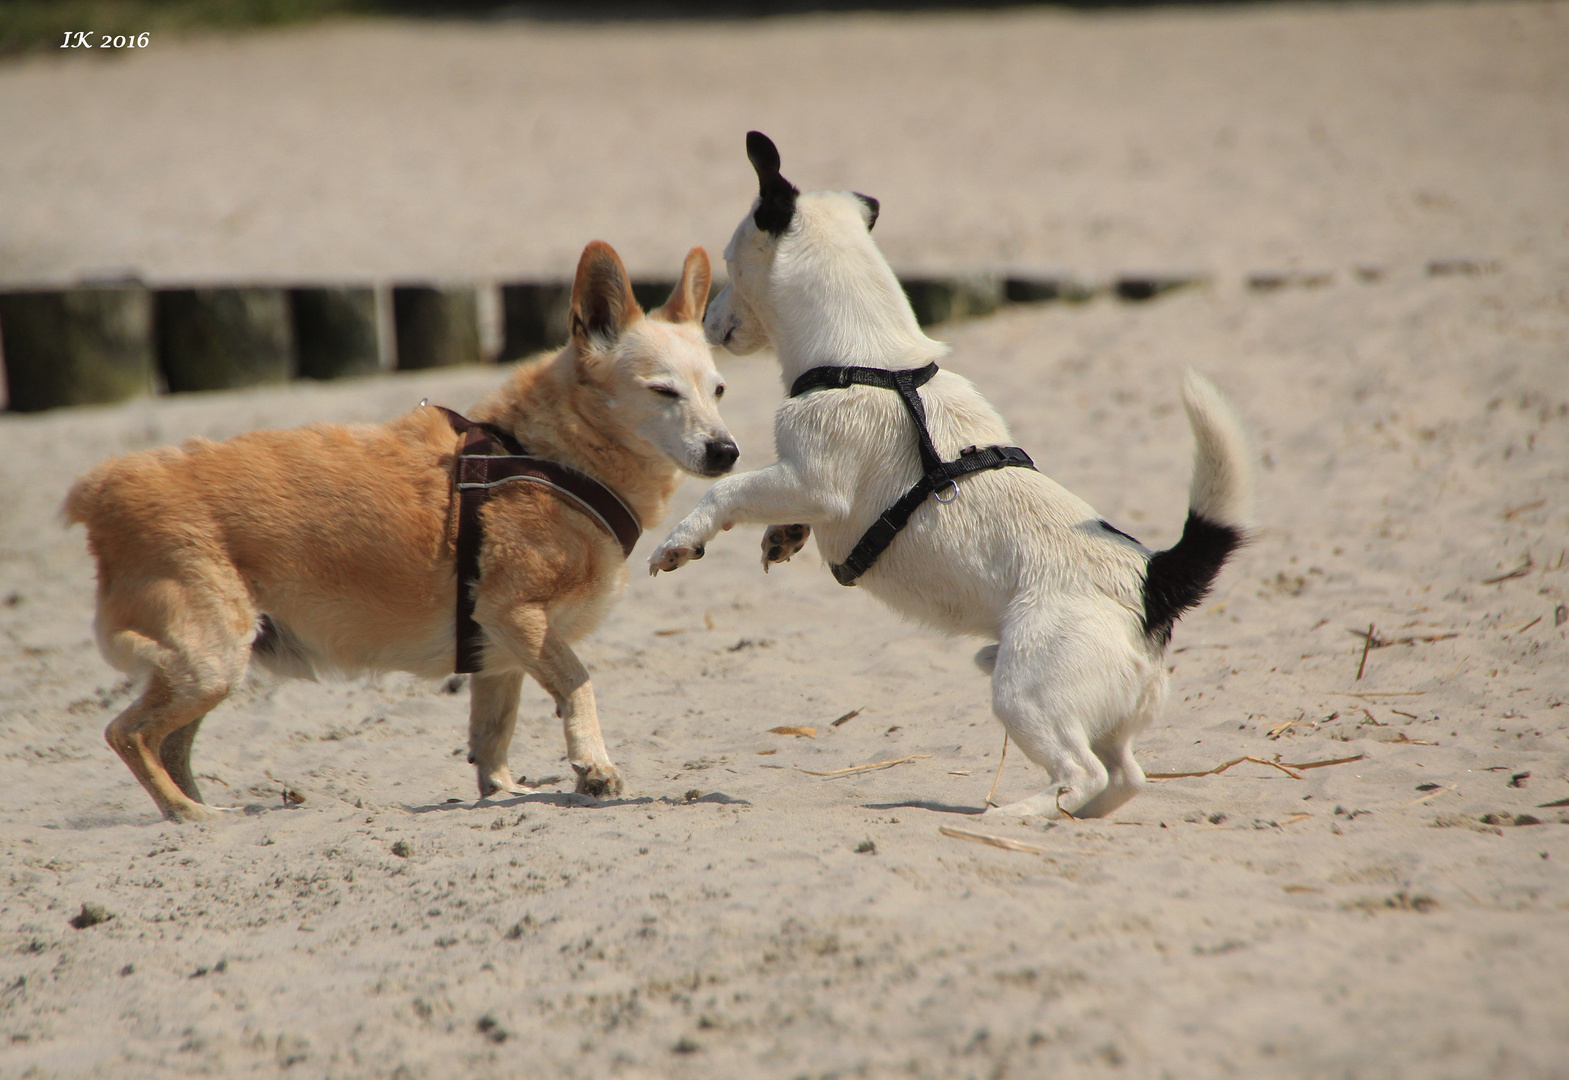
331, 548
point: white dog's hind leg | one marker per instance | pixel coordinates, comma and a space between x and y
1124, 778
1038, 694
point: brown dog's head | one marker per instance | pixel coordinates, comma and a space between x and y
656, 371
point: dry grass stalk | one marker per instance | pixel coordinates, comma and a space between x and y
995, 841
1222, 768
1508, 515
1284, 766
1548, 805
998, 777
1280, 729
1520, 571
1373, 641
851, 715
1322, 764
865, 768
807, 732
1365, 695
1401, 737
1366, 645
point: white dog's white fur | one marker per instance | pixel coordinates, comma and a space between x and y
1015, 558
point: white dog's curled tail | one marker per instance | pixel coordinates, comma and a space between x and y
1220, 506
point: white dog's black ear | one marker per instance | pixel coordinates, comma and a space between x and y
776, 194
602, 301
873, 207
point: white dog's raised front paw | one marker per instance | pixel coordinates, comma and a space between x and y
677, 550
673, 556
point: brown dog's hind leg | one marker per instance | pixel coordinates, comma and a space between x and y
493, 713
175, 753
194, 641
140, 736
780, 542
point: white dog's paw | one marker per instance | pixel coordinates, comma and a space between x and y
1044, 805
780, 542
674, 556
1047, 804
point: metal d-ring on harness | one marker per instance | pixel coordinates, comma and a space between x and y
940, 477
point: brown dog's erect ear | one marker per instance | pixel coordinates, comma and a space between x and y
602, 301
777, 194
690, 298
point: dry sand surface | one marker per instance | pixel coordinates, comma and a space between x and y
735, 915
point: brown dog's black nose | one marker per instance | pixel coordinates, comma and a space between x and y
719, 455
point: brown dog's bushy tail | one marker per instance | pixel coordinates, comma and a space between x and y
78, 506
1220, 503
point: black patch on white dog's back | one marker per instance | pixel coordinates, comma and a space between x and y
1109, 527
1181, 576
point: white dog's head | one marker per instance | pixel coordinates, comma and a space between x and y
656, 372
807, 279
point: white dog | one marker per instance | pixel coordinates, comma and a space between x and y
1080, 612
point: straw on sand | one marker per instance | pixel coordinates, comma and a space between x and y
865, 768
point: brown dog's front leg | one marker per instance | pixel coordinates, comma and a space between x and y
596, 776
493, 713
527, 634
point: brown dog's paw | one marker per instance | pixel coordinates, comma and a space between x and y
600, 781
496, 782
780, 542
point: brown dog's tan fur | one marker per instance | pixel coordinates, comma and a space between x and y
343, 537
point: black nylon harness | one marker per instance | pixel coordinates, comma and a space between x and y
487, 457
938, 473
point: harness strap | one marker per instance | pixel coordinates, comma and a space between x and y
487, 458
937, 474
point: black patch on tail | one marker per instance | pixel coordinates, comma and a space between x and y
1180, 577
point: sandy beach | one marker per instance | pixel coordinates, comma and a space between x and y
1397, 170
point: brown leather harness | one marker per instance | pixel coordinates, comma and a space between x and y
487, 458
